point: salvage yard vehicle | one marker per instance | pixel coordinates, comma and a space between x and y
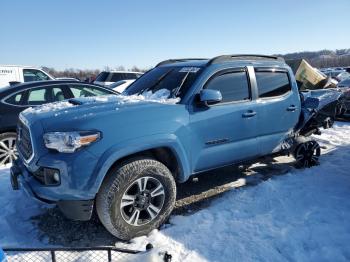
121, 85
18, 74
14, 99
106, 78
124, 154
344, 86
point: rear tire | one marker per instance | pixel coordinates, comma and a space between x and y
136, 197
8, 151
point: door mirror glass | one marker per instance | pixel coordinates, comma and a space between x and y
210, 96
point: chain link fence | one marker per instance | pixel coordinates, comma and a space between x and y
98, 254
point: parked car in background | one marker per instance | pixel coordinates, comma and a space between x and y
344, 86
121, 85
14, 99
12, 74
124, 157
339, 74
109, 77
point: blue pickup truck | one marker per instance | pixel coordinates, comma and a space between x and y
124, 154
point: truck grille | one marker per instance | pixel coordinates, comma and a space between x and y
24, 143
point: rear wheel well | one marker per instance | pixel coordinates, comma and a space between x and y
162, 154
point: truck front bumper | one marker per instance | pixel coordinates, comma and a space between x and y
72, 209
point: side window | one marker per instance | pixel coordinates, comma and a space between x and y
271, 84
15, 99
86, 91
232, 85
34, 75
39, 96
57, 94
115, 77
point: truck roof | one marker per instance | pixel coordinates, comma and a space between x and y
234, 59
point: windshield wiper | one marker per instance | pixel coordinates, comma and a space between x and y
176, 90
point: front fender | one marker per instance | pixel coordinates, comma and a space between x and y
128, 147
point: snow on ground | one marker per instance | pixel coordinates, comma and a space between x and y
16, 209
300, 216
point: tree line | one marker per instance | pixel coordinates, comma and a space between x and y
319, 59
86, 74
323, 58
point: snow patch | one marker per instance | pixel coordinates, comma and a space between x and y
160, 96
301, 216
56, 106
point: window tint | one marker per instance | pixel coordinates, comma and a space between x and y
34, 75
102, 77
86, 91
272, 84
232, 85
15, 99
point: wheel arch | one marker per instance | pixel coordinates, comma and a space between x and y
167, 150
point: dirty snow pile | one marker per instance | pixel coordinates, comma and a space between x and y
299, 216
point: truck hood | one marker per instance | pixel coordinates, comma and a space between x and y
93, 106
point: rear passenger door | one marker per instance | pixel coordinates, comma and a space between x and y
278, 107
225, 132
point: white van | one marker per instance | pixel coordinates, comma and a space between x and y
12, 73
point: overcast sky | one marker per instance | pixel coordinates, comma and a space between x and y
94, 34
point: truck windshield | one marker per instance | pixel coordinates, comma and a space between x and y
176, 80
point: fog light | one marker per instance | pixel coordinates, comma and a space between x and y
56, 177
51, 176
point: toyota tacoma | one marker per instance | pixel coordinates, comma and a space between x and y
123, 155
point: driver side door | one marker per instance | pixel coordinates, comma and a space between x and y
226, 132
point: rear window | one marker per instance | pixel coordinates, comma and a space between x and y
102, 77
15, 99
272, 84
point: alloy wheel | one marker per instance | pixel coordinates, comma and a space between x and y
307, 154
142, 201
8, 151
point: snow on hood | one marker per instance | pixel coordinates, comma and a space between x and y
160, 96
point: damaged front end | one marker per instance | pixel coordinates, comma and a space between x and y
318, 109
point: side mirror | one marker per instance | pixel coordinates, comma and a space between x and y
210, 97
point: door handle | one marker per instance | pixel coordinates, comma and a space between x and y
292, 108
250, 113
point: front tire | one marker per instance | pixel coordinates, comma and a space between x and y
136, 197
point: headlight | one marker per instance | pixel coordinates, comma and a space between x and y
68, 142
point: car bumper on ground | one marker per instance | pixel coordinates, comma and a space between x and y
72, 209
